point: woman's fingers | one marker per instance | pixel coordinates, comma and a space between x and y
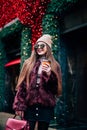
46, 68
20, 113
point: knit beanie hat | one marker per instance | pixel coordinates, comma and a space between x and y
46, 38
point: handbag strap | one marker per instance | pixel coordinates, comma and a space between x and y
19, 116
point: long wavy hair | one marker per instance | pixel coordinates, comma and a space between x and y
30, 62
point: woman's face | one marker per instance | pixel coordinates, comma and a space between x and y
41, 48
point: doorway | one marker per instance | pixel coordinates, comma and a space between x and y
76, 44
12, 44
11, 78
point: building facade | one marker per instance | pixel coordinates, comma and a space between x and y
66, 21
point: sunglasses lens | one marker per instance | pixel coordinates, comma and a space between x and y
42, 46
36, 46
39, 46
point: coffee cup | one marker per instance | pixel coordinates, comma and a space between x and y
45, 62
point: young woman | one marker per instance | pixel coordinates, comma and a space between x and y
39, 82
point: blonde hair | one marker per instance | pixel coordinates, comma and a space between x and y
30, 62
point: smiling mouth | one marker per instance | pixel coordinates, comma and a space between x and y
39, 50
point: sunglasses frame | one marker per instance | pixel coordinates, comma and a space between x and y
41, 46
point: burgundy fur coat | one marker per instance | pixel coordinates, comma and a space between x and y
44, 94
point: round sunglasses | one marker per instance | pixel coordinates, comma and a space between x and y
41, 46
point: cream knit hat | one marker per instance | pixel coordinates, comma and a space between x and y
46, 38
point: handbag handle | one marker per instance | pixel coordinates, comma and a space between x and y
22, 118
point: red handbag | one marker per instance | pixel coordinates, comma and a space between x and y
16, 124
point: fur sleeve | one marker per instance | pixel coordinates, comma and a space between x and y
19, 101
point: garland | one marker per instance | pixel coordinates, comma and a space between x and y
32, 16
2, 75
25, 44
50, 26
15, 27
30, 13
59, 6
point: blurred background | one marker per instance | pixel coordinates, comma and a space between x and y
22, 22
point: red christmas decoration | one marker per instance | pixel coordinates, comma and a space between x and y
29, 12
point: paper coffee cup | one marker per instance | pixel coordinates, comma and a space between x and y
45, 62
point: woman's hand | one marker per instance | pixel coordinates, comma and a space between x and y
46, 67
20, 113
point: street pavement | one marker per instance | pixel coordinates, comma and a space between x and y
5, 116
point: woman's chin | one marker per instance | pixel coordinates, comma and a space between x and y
40, 53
